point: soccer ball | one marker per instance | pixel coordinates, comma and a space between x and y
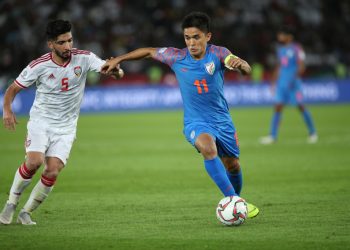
232, 211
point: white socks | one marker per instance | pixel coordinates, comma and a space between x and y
38, 195
22, 179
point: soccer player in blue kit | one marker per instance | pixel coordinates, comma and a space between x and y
208, 126
288, 87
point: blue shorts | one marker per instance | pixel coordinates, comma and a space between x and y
225, 137
289, 94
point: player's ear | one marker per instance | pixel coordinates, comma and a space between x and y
208, 36
49, 44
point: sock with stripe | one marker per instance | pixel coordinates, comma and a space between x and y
22, 179
217, 172
39, 193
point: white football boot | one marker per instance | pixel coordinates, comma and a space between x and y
6, 215
266, 140
312, 139
24, 218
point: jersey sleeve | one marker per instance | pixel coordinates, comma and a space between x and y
95, 63
27, 77
169, 55
220, 52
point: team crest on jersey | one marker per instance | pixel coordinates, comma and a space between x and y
27, 142
210, 68
77, 71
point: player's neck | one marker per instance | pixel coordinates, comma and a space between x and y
59, 60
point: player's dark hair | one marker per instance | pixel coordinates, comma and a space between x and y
287, 29
198, 20
57, 27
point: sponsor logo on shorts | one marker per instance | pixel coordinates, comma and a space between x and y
77, 71
193, 134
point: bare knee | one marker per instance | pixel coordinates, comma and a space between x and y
279, 107
301, 107
53, 167
231, 164
209, 152
34, 160
206, 145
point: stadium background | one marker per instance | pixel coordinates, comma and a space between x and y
133, 182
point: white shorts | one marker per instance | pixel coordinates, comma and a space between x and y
41, 138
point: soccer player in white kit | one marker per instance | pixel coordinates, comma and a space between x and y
60, 81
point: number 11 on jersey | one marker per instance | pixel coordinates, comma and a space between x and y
199, 85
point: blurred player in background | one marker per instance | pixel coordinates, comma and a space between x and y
208, 126
60, 81
288, 87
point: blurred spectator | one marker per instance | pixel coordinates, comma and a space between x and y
110, 27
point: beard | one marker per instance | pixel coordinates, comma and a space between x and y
63, 55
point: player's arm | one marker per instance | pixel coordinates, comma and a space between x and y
301, 68
301, 61
9, 118
137, 54
233, 62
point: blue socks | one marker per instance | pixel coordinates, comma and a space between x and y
308, 121
236, 181
217, 172
275, 124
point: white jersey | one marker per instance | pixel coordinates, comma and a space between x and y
60, 88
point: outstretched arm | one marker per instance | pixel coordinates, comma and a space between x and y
9, 118
133, 55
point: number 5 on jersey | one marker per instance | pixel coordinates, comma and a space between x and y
199, 85
64, 83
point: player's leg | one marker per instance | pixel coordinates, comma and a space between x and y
309, 123
275, 123
201, 136
281, 97
228, 150
56, 158
234, 172
35, 144
41, 190
213, 164
22, 179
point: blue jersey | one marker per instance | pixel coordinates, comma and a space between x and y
201, 83
289, 57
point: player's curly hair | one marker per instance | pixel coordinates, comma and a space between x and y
57, 27
198, 20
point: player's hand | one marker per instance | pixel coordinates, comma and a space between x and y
234, 62
110, 65
9, 120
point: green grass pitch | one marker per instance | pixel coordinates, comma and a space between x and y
133, 182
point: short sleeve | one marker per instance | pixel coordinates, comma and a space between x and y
27, 77
95, 63
220, 52
169, 55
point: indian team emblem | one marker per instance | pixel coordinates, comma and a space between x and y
193, 134
77, 71
210, 68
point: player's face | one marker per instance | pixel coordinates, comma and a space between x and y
283, 37
196, 41
62, 46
